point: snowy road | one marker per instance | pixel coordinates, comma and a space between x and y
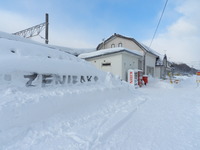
168, 119
160, 116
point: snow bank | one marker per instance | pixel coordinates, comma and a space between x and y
75, 89
159, 83
23, 62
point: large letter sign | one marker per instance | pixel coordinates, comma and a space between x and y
54, 79
43, 80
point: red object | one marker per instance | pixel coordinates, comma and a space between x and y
198, 73
140, 78
145, 79
131, 77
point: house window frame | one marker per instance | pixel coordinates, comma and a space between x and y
120, 44
140, 64
112, 45
105, 64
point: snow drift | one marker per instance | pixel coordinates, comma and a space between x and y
38, 83
25, 61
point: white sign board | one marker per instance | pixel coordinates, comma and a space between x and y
133, 77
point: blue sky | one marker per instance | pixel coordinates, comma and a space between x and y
84, 23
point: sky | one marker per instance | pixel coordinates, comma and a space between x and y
84, 23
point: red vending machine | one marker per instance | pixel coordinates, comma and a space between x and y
140, 77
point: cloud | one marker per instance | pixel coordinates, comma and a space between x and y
181, 39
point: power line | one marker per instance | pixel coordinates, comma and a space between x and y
158, 23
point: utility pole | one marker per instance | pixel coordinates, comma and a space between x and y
36, 30
47, 28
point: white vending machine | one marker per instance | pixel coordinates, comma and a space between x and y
133, 77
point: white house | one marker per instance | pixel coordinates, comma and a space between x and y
115, 60
149, 55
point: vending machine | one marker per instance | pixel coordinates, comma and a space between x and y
135, 77
140, 77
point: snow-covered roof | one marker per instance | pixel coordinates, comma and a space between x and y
109, 51
20, 54
150, 50
73, 51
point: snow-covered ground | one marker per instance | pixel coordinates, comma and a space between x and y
92, 110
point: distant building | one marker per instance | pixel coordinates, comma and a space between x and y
163, 67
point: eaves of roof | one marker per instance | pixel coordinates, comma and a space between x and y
93, 55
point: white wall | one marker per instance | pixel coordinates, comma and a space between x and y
150, 61
114, 59
120, 63
125, 43
129, 62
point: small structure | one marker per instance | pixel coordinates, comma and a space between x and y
115, 60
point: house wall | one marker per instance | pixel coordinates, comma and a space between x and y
120, 63
129, 62
121, 42
102, 63
150, 61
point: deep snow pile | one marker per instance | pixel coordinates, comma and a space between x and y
68, 104
40, 85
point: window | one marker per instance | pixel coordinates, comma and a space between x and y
113, 45
120, 45
150, 71
106, 64
140, 64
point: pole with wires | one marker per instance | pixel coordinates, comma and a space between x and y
158, 23
47, 28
